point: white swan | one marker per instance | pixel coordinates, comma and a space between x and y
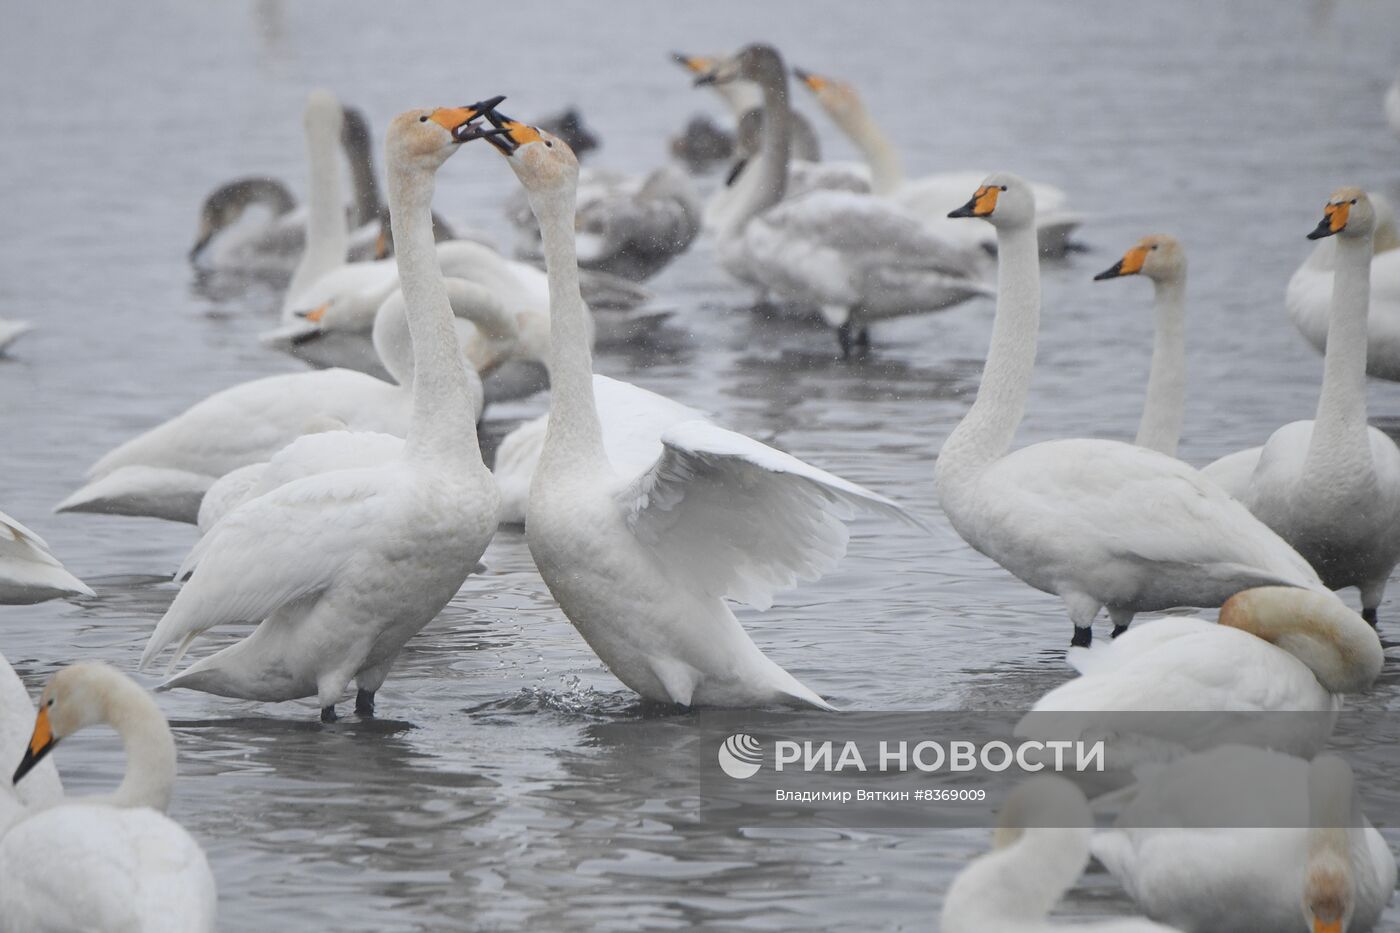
930, 197
340, 569
642, 562
10, 331
1309, 296
1161, 259
1331, 486
1313, 865
1098, 523
1040, 848
113, 861
29, 573
631, 226
1275, 648
854, 256
166, 472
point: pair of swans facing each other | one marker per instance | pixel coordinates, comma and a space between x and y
107, 862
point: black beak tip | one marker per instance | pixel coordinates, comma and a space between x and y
1112, 272
1323, 229
680, 58
30, 759
800, 74
965, 211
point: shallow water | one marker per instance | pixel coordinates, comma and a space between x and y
498, 792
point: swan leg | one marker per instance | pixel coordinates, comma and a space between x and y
1122, 618
1371, 596
328, 713
1369, 614
843, 338
364, 703
1082, 610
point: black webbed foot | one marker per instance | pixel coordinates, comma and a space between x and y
1083, 637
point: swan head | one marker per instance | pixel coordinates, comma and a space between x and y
695, 64
1003, 200
1317, 628
227, 203
426, 138
759, 62
1348, 213
1329, 886
75, 698
837, 98
542, 161
1158, 257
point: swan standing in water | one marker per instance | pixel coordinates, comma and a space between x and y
1321, 868
1331, 486
1161, 259
1275, 648
854, 256
1098, 523
642, 563
1309, 296
340, 569
29, 573
931, 197
112, 861
1040, 848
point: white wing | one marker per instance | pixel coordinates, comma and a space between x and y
41, 787
1233, 472
272, 551
741, 518
28, 572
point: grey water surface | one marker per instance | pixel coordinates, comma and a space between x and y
512, 782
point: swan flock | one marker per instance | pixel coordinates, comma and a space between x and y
339, 506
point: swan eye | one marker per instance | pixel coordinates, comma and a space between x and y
1154, 245
50, 703
423, 119
1003, 187
548, 144
1353, 200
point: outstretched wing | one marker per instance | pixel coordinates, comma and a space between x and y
743, 519
271, 551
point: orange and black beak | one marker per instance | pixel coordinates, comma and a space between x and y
1130, 264
461, 121
981, 205
40, 744
813, 81
509, 135
693, 63
1334, 219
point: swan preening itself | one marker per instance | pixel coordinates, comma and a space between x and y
1309, 296
854, 256
1331, 486
29, 573
1098, 523
642, 561
1040, 848
1274, 649
1161, 259
339, 569
1244, 840
107, 862
931, 197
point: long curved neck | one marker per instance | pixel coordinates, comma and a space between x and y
1317, 628
763, 181
266, 191
443, 425
149, 746
327, 238
1019, 884
739, 96
1339, 438
469, 301
987, 430
574, 431
886, 169
1162, 413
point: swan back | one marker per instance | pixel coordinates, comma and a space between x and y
1316, 627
